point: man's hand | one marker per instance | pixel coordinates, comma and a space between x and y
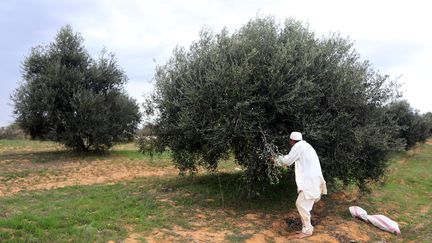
272, 159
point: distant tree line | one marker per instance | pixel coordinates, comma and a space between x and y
12, 131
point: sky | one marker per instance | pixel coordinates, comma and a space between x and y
395, 36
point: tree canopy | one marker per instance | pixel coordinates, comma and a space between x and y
69, 97
244, 93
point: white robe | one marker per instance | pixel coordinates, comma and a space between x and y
308, 172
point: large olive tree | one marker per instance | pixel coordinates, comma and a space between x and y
243, 93
69, 97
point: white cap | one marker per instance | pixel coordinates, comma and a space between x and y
296, 136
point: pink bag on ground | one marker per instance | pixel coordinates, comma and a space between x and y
379, 221
358, 212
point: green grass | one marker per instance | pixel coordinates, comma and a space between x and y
81, 213
100, 212
406, 196
21, 143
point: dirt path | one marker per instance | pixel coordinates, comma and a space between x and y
27, 175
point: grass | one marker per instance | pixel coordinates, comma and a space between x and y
407, 194
102, 212
79, 214
99, 213
22, 144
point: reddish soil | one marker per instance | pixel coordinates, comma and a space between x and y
258, 228
64, 173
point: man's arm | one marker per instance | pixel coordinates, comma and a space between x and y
287, 160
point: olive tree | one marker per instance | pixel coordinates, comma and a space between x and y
244, 93
69, 97
414, 127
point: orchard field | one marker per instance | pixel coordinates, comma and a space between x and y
50, 194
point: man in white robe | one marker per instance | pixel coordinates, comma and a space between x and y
309, 179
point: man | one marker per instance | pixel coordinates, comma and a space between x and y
309, 179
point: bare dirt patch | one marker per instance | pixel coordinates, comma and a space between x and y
424, 209
341, 231
133, 237
179, 234
345, 196
57, 174
416, 149
256, 227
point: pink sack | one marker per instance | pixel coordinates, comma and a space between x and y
379, 221
384, 223
358, 212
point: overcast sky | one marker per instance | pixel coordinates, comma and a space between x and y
395, 36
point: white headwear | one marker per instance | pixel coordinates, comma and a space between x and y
296, 136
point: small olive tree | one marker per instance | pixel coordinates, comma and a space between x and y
67, 96
243, 93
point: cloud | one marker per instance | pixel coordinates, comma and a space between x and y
416, 79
